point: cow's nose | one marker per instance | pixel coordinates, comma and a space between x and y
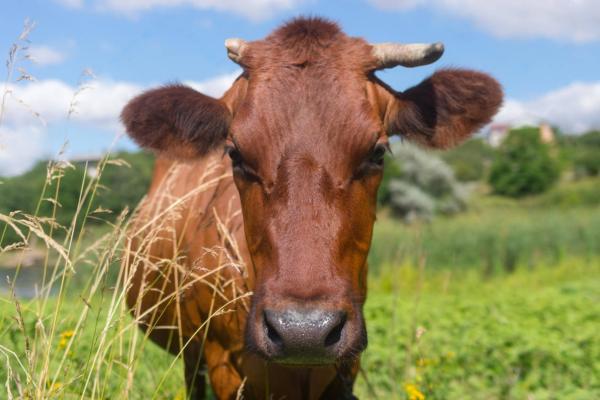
304, 336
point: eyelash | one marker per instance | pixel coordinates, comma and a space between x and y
378, 154
374, 163
237, 162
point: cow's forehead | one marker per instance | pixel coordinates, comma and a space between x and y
315, 111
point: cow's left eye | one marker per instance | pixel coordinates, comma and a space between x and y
374, 163
377, 155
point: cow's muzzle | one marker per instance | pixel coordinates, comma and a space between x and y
305, 336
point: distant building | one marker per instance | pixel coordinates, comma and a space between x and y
498, 132
546, 133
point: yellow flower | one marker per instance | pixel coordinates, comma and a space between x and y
55, 387
180, 395
64, 338
413, 392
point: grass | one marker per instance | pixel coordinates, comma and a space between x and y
528, 335
531, 334
496, 235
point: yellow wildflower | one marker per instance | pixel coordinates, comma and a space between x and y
413, 392
64, 338
55, 387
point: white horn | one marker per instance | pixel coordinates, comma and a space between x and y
390, 55
235, 49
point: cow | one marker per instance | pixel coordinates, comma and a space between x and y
248, 257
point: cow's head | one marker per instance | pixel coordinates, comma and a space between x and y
306, 126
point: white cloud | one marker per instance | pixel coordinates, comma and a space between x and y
574, 108
573, 20
44, 55
216, 86
34, 106
251, 9
19, 148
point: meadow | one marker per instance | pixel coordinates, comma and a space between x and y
495, 303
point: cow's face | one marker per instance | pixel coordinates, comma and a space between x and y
306, 127
307, 166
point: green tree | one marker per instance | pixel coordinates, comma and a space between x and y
470, 161
523, 165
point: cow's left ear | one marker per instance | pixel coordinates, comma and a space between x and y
444, 109
177, 121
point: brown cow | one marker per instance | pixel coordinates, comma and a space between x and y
288, 216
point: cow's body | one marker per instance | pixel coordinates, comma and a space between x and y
249, 255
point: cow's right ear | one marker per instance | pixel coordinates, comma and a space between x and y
176, 121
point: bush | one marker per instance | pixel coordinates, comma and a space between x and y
470, 161
523, 165
424, 186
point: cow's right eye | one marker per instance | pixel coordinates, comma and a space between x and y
240, 167
236, 157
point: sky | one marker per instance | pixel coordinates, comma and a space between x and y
84, 59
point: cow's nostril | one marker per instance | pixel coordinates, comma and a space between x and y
272, 333
304, 335
336, 333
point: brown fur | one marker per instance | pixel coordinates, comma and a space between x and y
446, 108
303, 121
176, 120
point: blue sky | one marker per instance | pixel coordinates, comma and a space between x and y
546, 54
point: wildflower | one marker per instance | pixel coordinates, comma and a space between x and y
413, 392
64, 338
180, 395
55, 387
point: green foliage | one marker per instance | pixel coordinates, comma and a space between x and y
125, 186
579, 193
122, 185
391, 171
155, 363
494, 237
523, 165
449, 336
531, 335
586, 155
470, 161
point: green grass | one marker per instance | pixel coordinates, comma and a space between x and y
531, 333
154, 372
495, 235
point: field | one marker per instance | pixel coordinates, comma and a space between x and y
448, 317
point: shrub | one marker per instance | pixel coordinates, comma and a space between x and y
425, 185
523, 165
470, 161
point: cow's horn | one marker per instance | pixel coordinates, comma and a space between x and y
235, 49
390, 55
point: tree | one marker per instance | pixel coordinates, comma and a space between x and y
471, 160
523, 165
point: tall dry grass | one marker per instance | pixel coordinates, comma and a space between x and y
77, 337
